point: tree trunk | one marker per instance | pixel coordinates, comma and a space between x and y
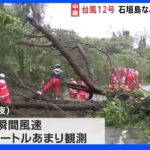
87, 63
65, 107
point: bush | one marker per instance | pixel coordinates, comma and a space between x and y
116, 113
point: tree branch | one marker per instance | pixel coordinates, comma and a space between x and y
87, 62
33, 44
33, 36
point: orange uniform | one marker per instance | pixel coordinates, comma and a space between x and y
73, 93
4, 91
114, 82
82, 94
54, 82
130, 80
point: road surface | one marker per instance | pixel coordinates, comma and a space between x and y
122, 136
146, 88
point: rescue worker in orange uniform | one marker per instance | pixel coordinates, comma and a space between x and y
122, 76
73, 93
114, 82
54, 82
82, 94
4, 91
121, 72
136, 79
129, 79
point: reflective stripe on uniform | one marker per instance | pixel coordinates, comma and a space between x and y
3, 88
4, 95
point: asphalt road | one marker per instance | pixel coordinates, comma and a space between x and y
122, 136
146, 88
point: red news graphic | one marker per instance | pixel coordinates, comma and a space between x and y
91, 9
75, 9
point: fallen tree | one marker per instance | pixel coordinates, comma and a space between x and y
62, 106
40, 102
63, 50
65, 107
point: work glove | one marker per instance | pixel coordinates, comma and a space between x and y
39, 92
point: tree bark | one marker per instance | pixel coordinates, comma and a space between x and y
35, 12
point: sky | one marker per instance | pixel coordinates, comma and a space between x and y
97, 25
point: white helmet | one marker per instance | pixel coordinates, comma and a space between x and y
2, 75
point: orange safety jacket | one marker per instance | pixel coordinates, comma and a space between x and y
4, 92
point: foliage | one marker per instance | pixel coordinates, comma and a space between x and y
34, 64
146, 133
143, 126
140, 94
116, 114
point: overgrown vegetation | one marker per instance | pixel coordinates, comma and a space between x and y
121, 113
116, 114
28, 54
